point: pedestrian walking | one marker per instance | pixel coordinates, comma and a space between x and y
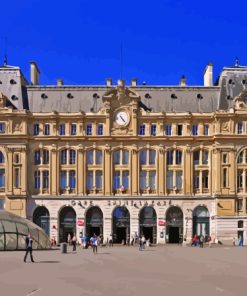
111, 240
69, 239
194, 241
201, 241
241, 242
74, 242
132, 240
95, 244
29, 247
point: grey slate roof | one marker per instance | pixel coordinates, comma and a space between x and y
66, 98
158, 98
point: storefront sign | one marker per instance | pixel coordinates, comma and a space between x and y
162, 222
80, 222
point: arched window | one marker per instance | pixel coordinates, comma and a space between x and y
121, 172
174, 172
2, 160
147, 176
201, 171
94, 174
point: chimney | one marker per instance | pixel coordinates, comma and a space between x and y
208, 75
182, 81
59, 82
108, 82
133, 82
34, 73
121, 82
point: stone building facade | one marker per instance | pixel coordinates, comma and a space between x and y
164, 161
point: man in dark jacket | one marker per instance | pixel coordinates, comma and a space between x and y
29, 247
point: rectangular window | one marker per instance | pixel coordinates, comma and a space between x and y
99, 180
37, 179
72, 180
169, 180
142, 130
98, 157
116, 157
63, 180
239, 205
2, 178
153, 130
89, 157
72, 156
116, 180
100, 129
37, 158
204, 179
179, 180
125, 157
168, 129
224, 158
195, 130
225, 175
152, 156
36, 129
45, 179
240, 179
62, 129
205, 129
16, 177
196, 179
169, 157
2, 127
47, 130
125, 179
143, 180
64, 156
239, 128
178, 157
2, 206
152, 178
89, 180
45, 157
89, 129
204, 157
196, 157
73, 129
143, 157
179, 129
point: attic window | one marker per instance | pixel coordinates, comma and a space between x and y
230, 81
229, 98
14, 98
70, 96
199, 96
243, 81
12, 81
173, 96
44, 96
147, 96
96, 96
1, 82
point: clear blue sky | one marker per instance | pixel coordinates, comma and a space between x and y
80, 41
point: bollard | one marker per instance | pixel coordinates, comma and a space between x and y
64, 248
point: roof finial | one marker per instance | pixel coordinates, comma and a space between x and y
5, 61
236, 62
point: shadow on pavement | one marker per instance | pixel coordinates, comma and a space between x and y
48, 262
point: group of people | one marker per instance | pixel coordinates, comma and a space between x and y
199, 240
94, 241
238, 241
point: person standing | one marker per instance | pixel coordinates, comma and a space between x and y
95, 244
69, 239
74, 242
29, 247
201, 241
111, 240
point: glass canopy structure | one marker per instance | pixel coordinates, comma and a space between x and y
14, 229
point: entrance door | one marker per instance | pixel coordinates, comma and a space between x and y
173, 235
148, 224
94, 222
121, 225
201, 221
67, 223
41, 217
174, 225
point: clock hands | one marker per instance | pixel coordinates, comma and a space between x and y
122, 118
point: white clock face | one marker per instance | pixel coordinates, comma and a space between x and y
122, 118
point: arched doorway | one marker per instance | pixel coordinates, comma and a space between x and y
201, 221
148, 224
41, 217
121, 225
94, 222
174, 225
67, 223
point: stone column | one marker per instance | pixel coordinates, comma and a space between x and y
134, 171
188, 171
108, 171
232, 171
81, 170
54, 171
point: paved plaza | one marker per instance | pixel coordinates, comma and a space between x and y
160, 270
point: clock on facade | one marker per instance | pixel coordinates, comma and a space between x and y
122, 118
